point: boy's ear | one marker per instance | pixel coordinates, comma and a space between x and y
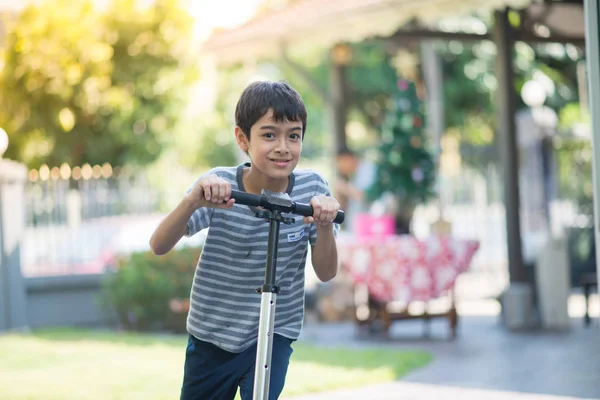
241, 139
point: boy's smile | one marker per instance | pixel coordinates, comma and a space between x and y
274, 149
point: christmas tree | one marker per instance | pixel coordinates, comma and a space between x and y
405, 167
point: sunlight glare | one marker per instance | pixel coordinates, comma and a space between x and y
222, 14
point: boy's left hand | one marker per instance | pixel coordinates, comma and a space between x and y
325, 210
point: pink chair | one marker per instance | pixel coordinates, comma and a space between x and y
370, 226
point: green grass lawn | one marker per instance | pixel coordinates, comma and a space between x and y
93, 365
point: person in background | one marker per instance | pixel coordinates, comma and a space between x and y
355, 176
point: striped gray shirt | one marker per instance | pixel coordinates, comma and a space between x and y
225, 307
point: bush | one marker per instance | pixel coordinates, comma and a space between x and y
143, 285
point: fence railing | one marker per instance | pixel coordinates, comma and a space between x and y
72, 216
78, 220
55, 197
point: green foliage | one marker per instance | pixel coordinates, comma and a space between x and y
470, 84
207, 139
371, 82
574, 156
571, 115
218, 148
575, 182
317, 138
405, 166
372, 78
207, 144
143, 284
80, 85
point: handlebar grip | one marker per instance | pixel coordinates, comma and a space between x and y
339, 218
307, 211
247, 199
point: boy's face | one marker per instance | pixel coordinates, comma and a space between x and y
275, 147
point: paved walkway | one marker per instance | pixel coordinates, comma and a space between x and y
485, 362
417, 391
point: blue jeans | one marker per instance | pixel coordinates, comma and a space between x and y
213, 373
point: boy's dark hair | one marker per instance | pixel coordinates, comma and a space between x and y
345, 152
260, 96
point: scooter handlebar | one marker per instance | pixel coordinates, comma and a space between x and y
255, 200
247, 199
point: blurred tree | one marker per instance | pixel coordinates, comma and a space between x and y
574, 156
470, 84
469, 87
80, 85
317, 140
371, 81
405, 166
215, 144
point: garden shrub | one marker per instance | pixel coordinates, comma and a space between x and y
143, 284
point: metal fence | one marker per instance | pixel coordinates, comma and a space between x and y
72, 216
55, 198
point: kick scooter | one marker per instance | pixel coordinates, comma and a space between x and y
272, 206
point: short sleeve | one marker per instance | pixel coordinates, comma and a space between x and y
200, 219
321, 188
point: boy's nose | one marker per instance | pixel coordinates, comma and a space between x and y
281, 147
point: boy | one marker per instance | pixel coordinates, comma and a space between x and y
224, 312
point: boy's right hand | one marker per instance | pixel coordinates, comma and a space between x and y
211, 191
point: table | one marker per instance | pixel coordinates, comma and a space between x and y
403, 269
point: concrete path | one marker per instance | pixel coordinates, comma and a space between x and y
484, 362
417, 391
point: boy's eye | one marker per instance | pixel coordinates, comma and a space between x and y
295, 136
269, 135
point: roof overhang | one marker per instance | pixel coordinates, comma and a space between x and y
324, 23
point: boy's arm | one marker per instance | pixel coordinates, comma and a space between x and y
172, 228
324, 253
324, 250
210, 191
